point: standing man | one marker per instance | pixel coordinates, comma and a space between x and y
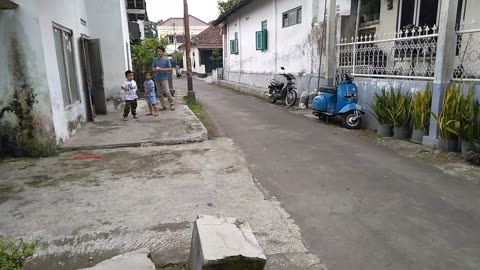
162, 66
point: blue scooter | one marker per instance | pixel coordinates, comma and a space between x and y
340, 101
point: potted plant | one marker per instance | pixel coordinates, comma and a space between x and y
446, 119
421, 113
380, 112
400, 113
471, 144
463, 124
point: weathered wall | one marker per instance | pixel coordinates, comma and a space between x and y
28, 42
23, 78
67, 118
114, 40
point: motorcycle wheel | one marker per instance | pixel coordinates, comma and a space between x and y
349, 122
290, 98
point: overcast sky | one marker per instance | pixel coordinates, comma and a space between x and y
206, 10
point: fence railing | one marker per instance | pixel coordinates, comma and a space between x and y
467, 55
407, 54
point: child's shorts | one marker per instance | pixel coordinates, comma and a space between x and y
151, 100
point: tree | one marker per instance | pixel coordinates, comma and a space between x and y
178, 58
225, 5
151, 29
217, 57
143, 55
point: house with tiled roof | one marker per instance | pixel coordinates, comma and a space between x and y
202, 48
174, 30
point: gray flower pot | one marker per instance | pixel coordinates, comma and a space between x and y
400, 133
447, 145
384, 131
464, 149
417, 135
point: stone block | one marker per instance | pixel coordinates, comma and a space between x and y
224, 244
136, 260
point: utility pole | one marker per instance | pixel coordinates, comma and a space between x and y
186, 22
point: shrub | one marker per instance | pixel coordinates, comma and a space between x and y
13, 254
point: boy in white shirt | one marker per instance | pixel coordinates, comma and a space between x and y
130, 88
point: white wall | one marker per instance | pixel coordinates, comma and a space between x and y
195, 57
114, 38
290, 47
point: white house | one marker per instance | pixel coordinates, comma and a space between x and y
174, 30
401, 43
52, 53
202, 49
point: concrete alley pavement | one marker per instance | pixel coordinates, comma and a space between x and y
359, 205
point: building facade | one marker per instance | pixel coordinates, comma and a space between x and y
56, 56
202, 49
383, 43
174, 30
137, 16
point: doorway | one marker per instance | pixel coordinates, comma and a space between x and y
93, 76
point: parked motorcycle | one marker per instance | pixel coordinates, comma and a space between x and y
280, 91
340, 101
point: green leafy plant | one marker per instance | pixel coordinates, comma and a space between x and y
399, 108
13, 254
143, 55
217, 57
463, 123
449, 113
380, 107
226, 5
421, 108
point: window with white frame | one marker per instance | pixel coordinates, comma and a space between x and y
66, 64
418, 13
292, 17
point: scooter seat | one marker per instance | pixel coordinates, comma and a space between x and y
328, 89
277, 84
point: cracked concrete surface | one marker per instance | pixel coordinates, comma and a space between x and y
138, 198
109, 131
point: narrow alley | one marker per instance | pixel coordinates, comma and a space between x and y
359, 205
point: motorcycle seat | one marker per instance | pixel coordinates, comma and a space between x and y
328, 89
277, 84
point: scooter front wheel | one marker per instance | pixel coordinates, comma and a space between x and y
352, 120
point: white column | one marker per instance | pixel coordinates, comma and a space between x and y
331, 41
444, 63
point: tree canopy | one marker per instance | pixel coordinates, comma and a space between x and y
225, 5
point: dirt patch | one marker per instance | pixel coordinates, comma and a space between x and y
173, 227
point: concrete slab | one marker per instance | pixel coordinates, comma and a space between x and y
135, 260
135, 198
170, 127
224, 243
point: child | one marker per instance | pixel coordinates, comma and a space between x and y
150, 96
130, 88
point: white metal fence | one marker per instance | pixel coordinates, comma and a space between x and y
467, 55
408, 54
